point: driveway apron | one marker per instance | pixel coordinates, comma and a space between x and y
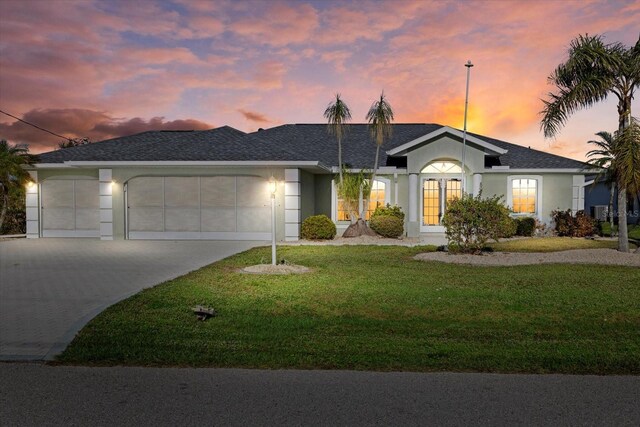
51, 288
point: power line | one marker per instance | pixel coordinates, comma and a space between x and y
37, 127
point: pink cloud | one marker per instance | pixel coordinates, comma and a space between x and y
253, 116
81, 123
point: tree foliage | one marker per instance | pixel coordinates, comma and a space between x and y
13, 158
472, 220
593, 71
338, 114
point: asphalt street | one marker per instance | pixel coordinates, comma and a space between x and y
37, 394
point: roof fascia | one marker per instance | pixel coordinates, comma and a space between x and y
440, 132
231, 163
543, 170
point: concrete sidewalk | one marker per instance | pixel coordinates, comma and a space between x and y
50, 288
35, 394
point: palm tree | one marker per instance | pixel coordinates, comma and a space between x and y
593, 71
604, 159
379, 117
337, 114
12, 173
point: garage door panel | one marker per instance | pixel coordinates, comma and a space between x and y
87, 195
87, 218
252, 192
218, 191
145, 192
218, 219
146, 219
254, 219
182, 219
181, 192
57, 194
58, 219
220, 207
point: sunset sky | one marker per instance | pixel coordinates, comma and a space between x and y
100, 69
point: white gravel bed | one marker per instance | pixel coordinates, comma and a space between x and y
575, 256
276, 269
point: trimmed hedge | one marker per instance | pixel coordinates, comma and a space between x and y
526, 226
389, 211
387, 225
580, 225
318, 227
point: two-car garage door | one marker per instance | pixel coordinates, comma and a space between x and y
213, 207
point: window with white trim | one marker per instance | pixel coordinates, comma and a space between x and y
524, 195
380, 196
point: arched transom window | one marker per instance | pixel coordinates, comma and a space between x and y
442, 167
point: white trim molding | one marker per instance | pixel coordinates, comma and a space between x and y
292, 194
106, 204
445, 130
539, 190
577, 199
32, 204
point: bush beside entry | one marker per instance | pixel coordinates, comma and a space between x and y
568, 225
471, 221
387, 225
526, 226
318, 227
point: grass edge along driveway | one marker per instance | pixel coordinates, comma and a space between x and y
375, 308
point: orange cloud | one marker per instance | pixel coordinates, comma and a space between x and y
253, 116
80, 123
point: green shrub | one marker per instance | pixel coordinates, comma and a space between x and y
509, 227
387, 225
389, 211
566, 224
318, 227
471, 221
526, 226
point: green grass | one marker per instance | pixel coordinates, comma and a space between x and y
551, 244
633, 230
375, 308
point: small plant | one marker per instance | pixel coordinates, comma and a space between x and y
525, 226
389, 211
566, 224
509, 228
318, 227
387, 225
471, 221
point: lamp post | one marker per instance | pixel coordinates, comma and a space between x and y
273, 186
464, 133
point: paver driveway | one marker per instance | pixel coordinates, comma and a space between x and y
50, 288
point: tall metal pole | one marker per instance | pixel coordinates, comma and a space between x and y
464, 133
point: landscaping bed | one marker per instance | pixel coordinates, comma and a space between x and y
376, 308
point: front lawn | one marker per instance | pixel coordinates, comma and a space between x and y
375, 308
551, 244
633, 230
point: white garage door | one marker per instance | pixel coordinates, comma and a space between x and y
70, 208
215, 207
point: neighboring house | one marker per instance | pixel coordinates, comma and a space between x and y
596, 202
213, 184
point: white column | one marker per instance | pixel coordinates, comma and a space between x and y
413, 197
33, 207
395, 189
477, 183
292, 204
106, 204
577, 203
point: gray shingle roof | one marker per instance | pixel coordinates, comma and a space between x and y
223, 144
292, 142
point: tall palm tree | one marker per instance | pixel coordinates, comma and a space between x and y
604, 158
337, 115
379, 117
593, 71
12, 173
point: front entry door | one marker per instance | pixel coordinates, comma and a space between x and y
436, 194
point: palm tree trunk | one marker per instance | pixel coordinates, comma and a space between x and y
340, 159
5, 205
623, 238
612, 193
